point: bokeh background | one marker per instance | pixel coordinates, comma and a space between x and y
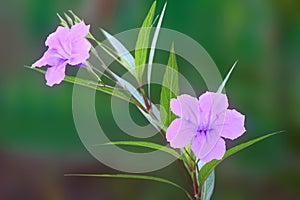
38, 140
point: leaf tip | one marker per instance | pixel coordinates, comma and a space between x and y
173, 47
222, 86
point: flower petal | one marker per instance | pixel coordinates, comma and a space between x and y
55, 75
213, 107
186, 107
80, 51
198, 143
79, 30
53, 39
216, 153
60, 41
80, 45
204, 142
50, 57
180, 133
233, 126
213, 102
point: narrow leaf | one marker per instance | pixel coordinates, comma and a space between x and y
153, 45
226, 78
169, 89
135, 93
156, 123
154, 21
141, 48
133, 176
208, 187
146, 144
210, 166
93, 85
130, 88
125, 56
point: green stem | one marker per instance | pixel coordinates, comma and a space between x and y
195, 185
147, 103
92, 72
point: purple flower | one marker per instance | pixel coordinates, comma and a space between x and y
204, 122
66, 46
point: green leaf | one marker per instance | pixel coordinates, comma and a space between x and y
139, 98
208, 187
125, 56
146, 144
153, 46
141, 48
130, 88
169, 89
133, 176
222, 86
93, 85
210, 166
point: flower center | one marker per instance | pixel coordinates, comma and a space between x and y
203, 130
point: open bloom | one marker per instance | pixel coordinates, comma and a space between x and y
204, 122
65, 46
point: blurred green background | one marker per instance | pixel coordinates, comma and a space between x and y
38, 140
